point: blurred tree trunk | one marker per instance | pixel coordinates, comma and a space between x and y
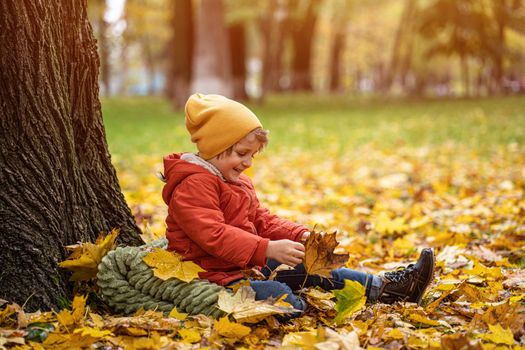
465, 74
237, 36
400, 58
124, 63
335, 64
149, 62
273, 25
181, 53
302, 38
267, 24
500, 14
57, 184
103, 47
211, 59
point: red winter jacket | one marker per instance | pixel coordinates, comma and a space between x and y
216, 224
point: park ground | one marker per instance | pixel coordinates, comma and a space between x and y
391, 176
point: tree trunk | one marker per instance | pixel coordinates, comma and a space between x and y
335, 64
273, 26
179, 78
302, 38
104, 50
212, 67
149, 63
500, 13
236, 35
57, 184
399, 57
465, 75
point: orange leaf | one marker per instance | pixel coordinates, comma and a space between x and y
319, 257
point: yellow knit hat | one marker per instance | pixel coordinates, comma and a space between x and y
216, 123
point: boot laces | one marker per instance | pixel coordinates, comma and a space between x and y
401, 275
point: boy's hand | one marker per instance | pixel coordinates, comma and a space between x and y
286, 252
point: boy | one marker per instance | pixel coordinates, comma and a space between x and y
215, 220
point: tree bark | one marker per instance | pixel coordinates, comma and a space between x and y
237, 38
57, 183
335, 60
211, 72
181, 52
302, 39
104, 50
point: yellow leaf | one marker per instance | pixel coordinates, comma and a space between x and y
92, 332
423, 320
178, 315
153, 342
244, 308
168, 265
76, 315
86, 257
98, 321
320, 300
383, 224
134, 331
395, 334
231, 329
305, 340
499, 335
350, 299
190, 335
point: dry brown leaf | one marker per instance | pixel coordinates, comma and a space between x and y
282, 267
253, 274
244, 308
319, 257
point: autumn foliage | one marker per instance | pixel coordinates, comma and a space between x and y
384, 205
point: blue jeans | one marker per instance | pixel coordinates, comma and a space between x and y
290, 280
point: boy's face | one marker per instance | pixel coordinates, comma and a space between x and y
232, 165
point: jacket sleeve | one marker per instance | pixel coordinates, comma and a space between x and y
273, 227
195, 207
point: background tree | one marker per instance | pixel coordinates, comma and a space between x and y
302, 33
180, 53
211, 72
57, 183
101, 28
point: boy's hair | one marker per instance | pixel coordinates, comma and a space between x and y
260, 134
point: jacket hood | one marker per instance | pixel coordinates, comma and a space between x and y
175, 171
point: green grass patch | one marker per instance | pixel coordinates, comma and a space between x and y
148, 125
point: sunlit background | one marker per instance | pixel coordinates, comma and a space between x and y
249, 48
368, 102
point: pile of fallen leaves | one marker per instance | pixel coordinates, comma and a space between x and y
385, 204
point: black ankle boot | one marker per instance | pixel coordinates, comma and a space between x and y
408, 284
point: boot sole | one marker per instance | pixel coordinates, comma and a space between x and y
429, 279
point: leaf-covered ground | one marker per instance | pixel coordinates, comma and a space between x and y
386, 203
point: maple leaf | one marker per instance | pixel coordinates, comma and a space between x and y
181, 316
350, 299
74, 316
253, 274
499, 335
86, 257
168, 265
229, 329
320, 300
244, 308
190, 335
384, 224
319, 258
